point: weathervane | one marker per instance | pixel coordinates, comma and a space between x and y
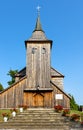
38, 9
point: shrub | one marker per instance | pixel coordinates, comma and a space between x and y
23, 106
65, 112
75, 117
14, 109
5, 115
82, 123
58, 108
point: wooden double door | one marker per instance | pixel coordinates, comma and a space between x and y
38, 100
34, 99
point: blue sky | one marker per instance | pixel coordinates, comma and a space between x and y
62, 21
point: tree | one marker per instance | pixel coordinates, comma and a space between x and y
81, 108
1, 87
12, 74
73, 104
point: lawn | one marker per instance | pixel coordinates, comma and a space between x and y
7, 111
75, 112
4, 111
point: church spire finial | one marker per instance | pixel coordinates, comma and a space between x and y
38, 26
38, 9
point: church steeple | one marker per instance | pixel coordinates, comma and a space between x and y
38, 49
38, 34
38, 26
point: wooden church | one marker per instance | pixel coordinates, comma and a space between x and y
38, 84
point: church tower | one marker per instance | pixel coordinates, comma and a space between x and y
38, 49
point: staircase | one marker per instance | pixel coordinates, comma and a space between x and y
37, 119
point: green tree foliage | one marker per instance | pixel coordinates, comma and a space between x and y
12, 74
1, 87
81, 107
73, 104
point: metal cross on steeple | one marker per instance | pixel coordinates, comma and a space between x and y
38, 9
38, 26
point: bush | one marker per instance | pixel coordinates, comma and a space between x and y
6, 115
58, 108
75, 117
82, 123
23, 106
65, 112
14, 109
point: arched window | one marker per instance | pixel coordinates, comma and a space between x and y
43, 50
33, 50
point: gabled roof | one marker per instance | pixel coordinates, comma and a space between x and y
55, 73
60, 90
23, 78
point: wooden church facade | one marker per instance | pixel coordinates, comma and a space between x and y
38, 84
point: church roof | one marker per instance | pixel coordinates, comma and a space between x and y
38, 34
38, 26
54, 73
61, 90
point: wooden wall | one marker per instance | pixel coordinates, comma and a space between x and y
38, 65
13, 96
58, 81
66, 100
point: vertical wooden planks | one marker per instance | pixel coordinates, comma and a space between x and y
38, 64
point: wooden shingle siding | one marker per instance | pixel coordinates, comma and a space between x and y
58, 81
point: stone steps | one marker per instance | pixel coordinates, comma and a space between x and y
36, 119
25, 127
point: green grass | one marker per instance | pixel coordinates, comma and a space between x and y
4, 111
8, 111
75, 112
